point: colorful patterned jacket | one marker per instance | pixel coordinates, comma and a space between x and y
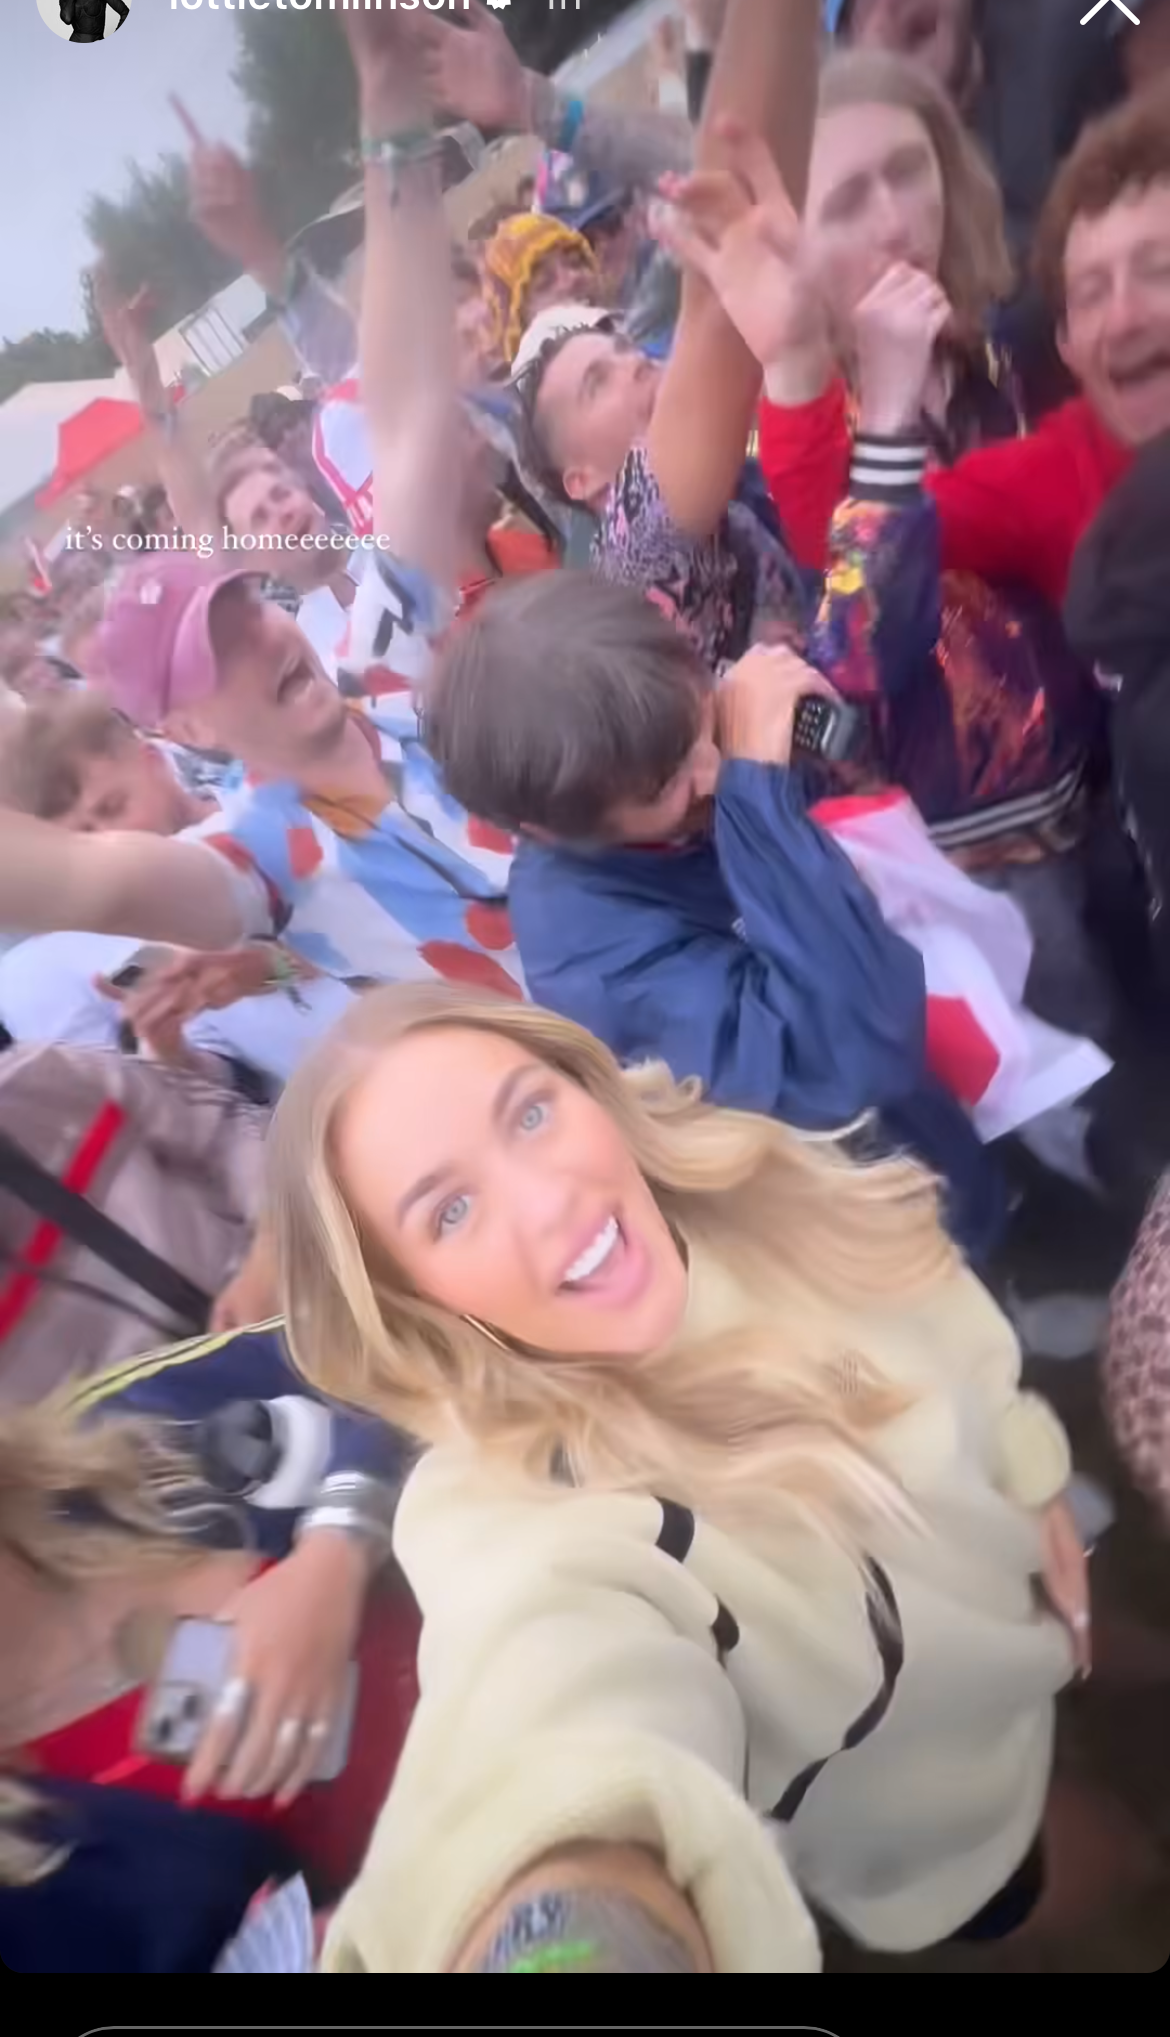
979, 709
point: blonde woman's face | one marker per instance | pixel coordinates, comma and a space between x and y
875, 198
506, 1193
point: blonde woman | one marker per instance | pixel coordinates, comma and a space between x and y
728, 1525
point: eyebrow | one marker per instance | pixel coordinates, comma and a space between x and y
506, 1094
430, 1183
421, 1190
907, 152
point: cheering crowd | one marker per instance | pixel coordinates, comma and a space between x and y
567, 901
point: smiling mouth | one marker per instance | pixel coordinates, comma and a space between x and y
595, 1256
1138, 374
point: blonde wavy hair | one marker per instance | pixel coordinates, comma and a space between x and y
125, 1479
738, 1427
976, 269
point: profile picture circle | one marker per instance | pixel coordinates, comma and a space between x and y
84, 20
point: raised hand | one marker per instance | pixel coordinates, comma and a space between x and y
124, 323
896, 329
473, 73
227, 209
387, 52
738, 230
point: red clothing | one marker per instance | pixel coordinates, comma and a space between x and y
805, 451
513, 552
1015, 511
329, 1827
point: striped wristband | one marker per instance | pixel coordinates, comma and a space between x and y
887, 469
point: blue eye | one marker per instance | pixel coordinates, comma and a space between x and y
452, 1215
533, 1116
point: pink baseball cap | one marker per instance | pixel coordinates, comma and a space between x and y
153, 649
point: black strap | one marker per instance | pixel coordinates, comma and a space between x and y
886, 1626
675, 1539
40, 1191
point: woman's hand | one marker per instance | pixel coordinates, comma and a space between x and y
226, 207
473, 73
123, 321
1066, 1579
896, 329
387, 55
738, 230
296, 1630
179, 991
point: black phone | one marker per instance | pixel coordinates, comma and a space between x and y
828, 731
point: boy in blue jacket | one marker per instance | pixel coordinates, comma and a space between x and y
671, 893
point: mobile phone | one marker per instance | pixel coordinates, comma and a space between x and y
181, 1701
829, 731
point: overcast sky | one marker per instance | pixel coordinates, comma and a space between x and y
75, 117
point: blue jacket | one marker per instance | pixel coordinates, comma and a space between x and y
756, 960
189, 1382
146, 1888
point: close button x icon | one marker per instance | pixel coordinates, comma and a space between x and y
1094, 11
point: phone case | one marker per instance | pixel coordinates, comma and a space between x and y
181, 1701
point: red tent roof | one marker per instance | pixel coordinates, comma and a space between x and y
84, 441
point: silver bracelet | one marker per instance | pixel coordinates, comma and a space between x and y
354, 1504
347, 1521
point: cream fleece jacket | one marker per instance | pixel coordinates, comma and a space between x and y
580, 1682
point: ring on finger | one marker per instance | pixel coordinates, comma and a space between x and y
232, 1701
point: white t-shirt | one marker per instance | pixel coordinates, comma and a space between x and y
324, 620
48, 996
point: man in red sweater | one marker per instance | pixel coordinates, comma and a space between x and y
1016, 511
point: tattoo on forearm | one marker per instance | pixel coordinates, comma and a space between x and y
585, 1932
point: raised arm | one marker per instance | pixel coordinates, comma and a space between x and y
180, 892
227, 208
764, 81
408, 307
474, 74
182, 467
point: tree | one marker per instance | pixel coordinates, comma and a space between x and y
303, 130
303, 135
48, 356
148, 237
